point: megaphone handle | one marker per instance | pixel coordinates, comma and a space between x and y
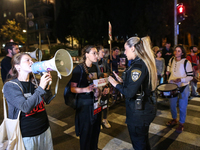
56, 90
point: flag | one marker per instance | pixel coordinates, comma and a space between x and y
110, 31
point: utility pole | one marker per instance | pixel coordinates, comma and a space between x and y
175, 23
26, 26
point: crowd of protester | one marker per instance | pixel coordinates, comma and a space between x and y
144, 68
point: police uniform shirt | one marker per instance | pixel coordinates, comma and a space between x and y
137, 75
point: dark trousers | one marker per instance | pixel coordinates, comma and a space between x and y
89, 133
139, 137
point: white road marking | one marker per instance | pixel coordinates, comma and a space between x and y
56, 121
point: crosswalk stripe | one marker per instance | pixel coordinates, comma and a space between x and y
56, 121
117, 144
107, 142
71, 131
185, 136
189, 119
103, 140
196, 99
120, 119
193, 107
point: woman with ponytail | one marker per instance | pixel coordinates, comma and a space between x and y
138, 83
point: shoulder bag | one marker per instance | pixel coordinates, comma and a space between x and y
10, 133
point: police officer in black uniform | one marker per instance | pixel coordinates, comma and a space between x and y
138, 85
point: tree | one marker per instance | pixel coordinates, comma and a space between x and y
12, 30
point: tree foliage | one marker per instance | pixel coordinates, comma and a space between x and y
12, 30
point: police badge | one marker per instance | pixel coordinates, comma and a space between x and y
135, 74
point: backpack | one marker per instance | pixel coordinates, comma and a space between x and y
71, 98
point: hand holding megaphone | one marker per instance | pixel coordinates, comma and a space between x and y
45, 79
62, 63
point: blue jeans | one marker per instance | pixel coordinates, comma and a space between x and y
39, 142
183, 102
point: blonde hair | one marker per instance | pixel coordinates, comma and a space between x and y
143, 50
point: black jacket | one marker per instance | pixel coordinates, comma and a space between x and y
135, 76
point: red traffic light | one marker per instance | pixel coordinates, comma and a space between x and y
180, 12
180, 9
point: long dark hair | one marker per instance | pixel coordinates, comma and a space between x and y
183, 51
87, 49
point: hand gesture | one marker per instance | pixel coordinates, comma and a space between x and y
117, 77
112, 81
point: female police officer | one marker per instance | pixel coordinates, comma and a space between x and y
139, 82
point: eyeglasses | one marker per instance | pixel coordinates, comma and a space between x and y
94, 53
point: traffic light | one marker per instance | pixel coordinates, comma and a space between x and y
180, 12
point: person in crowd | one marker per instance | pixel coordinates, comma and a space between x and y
87, 125
181, 74
101, 63
114, 62
29, 97
160, 65
11, 48
104, 103
138, 85
194, 59
167, 53
155, 49
103, 68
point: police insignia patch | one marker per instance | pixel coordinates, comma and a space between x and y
135, 74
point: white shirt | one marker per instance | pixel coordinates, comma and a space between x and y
177, 70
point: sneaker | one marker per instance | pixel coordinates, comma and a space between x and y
171, 123
106, 124
180, 128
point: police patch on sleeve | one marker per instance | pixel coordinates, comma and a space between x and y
135, 74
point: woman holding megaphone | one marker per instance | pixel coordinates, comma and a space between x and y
87, 125
25, 96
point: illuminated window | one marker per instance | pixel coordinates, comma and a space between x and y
51, 1
4, 15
